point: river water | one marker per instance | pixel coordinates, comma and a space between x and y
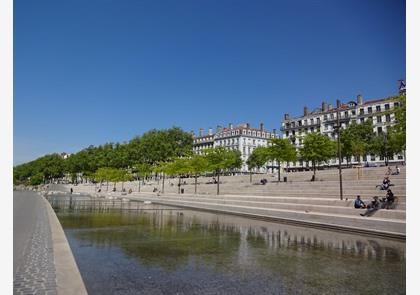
166, 250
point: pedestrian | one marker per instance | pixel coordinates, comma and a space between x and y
71, 190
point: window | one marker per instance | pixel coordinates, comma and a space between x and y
346, 114
379, 119
364, 158
381, 158
253, 142
369, 110
387, 106
300, 122
293, 132
331, 116
372, 157
388, 118
318, 120
400, 157
287, 133
305, 122
396, 104
362, 111
379, 130
293, 124
312, 121
312, 129
325, 117
362, 120
353, 112
378, 108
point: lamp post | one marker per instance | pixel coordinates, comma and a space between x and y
337, 128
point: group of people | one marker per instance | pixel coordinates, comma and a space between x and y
377, 202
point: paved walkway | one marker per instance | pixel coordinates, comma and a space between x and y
33, 260
42, 260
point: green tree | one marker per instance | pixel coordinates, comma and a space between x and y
281, 150
178, 167
317, 148
257, 159
384, 146
221, 159
162, 145
356, 140
197, 164
142, 171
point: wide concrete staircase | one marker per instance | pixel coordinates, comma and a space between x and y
298, 200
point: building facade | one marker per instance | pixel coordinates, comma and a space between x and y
324, 118
242, 137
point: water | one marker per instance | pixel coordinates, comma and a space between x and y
164, 250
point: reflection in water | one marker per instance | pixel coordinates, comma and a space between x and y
189, 252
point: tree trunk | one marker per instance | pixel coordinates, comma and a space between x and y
179, 185
163, 183
279, 173
115, 185
122, 185
139, 183
107, 184
250, 176
218, 178
314, 168
195, 185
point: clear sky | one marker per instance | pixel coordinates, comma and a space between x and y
97, 71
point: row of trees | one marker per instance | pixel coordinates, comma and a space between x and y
169, 152
152, 147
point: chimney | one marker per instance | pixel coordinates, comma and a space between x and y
330, 107
305, 110
219, 128
248, 125
359, 99
210, 131
230, 126
201, 132
286, 116
324, 106
192, 133
274, 131
262, 126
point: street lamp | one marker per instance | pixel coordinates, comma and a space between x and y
337, 129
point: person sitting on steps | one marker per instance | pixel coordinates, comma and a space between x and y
386, 183
372, 207
389, 200
359, 204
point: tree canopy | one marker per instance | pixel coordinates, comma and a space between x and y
281, 150
317, 148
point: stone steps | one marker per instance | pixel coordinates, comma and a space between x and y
354, 223
345, 208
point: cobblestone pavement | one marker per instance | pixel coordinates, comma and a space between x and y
35, 272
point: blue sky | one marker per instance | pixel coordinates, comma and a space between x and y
97, 71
